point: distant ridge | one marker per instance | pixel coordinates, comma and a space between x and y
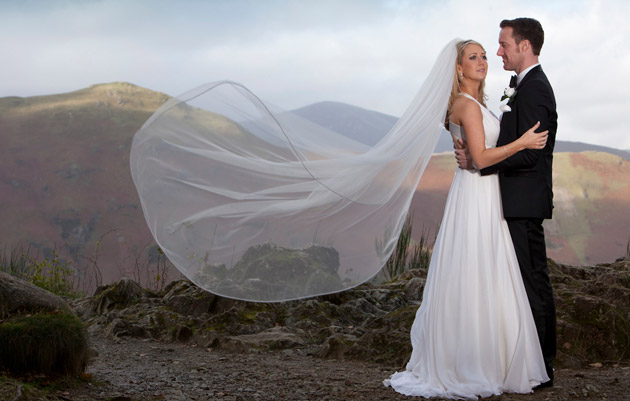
362, 125
368, 126
576, 147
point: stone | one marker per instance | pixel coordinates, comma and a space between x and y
21, 297
276, 338
186, 298
336, 346
116, 296
414, 288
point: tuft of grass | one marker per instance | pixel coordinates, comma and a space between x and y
16, 261
406, 257
53, 344
52, 273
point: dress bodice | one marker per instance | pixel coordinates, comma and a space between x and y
490, 125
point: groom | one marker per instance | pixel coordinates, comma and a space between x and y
525, 178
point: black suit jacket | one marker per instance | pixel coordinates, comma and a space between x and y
525, 177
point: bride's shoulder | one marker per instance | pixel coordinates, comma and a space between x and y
464, 103
465, 109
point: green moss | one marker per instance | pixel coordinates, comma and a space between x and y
248, 315
48, 343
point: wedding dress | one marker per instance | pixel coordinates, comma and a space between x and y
474, 334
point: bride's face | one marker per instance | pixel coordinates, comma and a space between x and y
474, 63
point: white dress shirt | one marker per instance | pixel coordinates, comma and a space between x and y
520, 76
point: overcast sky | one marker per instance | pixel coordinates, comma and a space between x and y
369, 53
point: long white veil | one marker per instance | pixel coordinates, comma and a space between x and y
255, 203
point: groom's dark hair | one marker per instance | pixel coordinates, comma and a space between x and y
526, 28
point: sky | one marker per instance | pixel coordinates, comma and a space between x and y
292, 53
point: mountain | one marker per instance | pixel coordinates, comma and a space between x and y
362, 125
369, 127
64, 174
65, 184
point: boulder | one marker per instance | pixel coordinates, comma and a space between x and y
21, 297
593, 311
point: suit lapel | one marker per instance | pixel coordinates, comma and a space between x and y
534, 71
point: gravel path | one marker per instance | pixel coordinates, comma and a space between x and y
133, 369
153, 370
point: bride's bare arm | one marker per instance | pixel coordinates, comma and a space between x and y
472, 121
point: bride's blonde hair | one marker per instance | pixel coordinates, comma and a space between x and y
456, 89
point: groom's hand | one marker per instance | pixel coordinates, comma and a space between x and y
464, 160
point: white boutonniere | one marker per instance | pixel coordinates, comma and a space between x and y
509, 94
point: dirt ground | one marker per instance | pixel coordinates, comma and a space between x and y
133, 369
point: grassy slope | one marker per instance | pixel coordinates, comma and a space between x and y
591, 223
591, 216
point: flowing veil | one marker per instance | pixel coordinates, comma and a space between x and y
255, 203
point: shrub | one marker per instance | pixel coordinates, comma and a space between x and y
55, 275
52, 344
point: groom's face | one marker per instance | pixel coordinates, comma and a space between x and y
509, 51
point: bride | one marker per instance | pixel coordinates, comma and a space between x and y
474, 334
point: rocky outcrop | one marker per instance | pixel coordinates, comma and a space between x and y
21, 297
267, 270
370, 322
593, 311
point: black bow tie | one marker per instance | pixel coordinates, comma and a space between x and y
513, 81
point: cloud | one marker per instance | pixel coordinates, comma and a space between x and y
372, 54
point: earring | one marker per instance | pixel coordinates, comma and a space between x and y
461, 75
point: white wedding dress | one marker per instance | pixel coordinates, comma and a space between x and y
474, 334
